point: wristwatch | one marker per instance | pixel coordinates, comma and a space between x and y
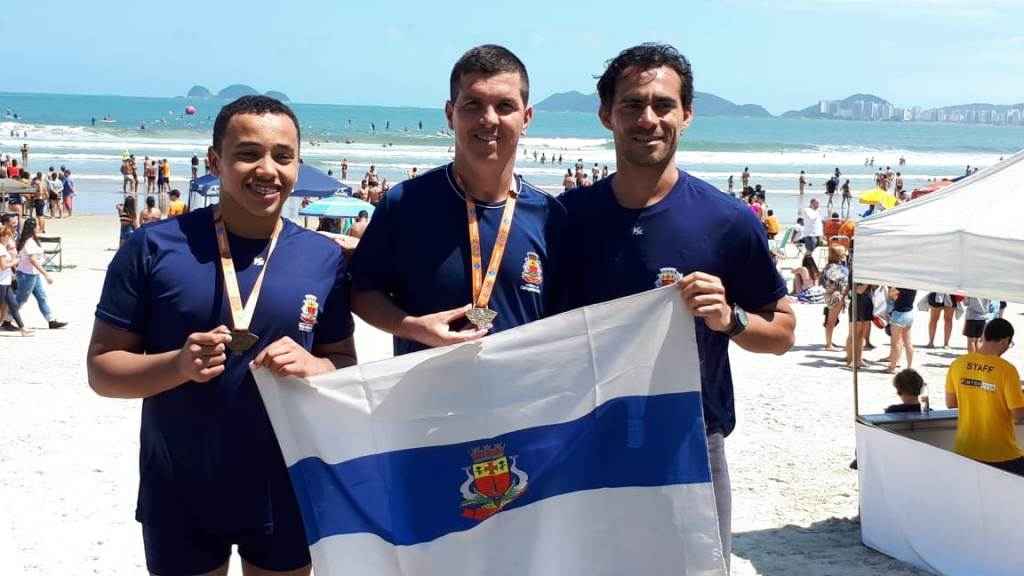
739, 322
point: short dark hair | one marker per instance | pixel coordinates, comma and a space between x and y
362, 214
254, 104
642, 58
998, 329
174, 193
908, 382
489, 59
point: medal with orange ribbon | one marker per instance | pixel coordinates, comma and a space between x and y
481, 315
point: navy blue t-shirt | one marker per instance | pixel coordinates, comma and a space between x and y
611, 251
208, 452
416, 250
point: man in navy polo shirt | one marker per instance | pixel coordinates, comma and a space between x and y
652, 224
420, 271
187, 305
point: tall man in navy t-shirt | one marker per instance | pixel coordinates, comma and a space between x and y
652, 224
187, 305
468, 242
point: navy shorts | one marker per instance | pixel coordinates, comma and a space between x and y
178, 549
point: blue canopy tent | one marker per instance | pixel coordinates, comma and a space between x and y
312, 183
205, 186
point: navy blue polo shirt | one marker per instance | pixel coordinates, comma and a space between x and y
416, 250
208, 452
611, 251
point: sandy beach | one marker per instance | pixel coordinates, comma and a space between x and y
69, 476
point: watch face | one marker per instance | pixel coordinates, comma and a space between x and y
741, 316
739, 321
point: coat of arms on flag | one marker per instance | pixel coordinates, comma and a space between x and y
491, 482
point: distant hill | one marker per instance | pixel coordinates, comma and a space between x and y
978, 107
233, 92
571, 101
704, 104
236, 91
198, 91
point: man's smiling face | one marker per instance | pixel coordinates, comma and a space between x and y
258, 162
488, 116
647, 115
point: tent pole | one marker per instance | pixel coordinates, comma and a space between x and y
854, 341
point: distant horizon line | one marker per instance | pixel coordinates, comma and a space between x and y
441, 107
213, 97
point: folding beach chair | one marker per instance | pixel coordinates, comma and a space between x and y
53, 249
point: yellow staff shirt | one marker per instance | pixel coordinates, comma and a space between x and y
987, 388
176, 208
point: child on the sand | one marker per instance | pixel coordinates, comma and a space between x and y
908, 384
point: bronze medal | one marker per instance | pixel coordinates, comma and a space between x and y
242, 340
241, 312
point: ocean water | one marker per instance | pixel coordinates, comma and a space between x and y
60, 131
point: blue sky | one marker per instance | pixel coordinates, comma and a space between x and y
783, 54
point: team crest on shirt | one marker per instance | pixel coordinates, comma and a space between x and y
492, 482
533, 273
667, 277
308, 313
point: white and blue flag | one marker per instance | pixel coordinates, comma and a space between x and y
571, 445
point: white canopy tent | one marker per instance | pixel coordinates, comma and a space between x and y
965, 238
919, 501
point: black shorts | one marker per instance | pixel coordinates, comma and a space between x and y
974, 328
40, 205
865, 308
177, 547
936, 300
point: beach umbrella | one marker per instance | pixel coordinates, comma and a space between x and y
878, 196
337, 207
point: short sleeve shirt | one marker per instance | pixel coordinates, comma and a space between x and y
175, 208
611, 251
416, 251
29, 250
987, 389
207, 449
812, 222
